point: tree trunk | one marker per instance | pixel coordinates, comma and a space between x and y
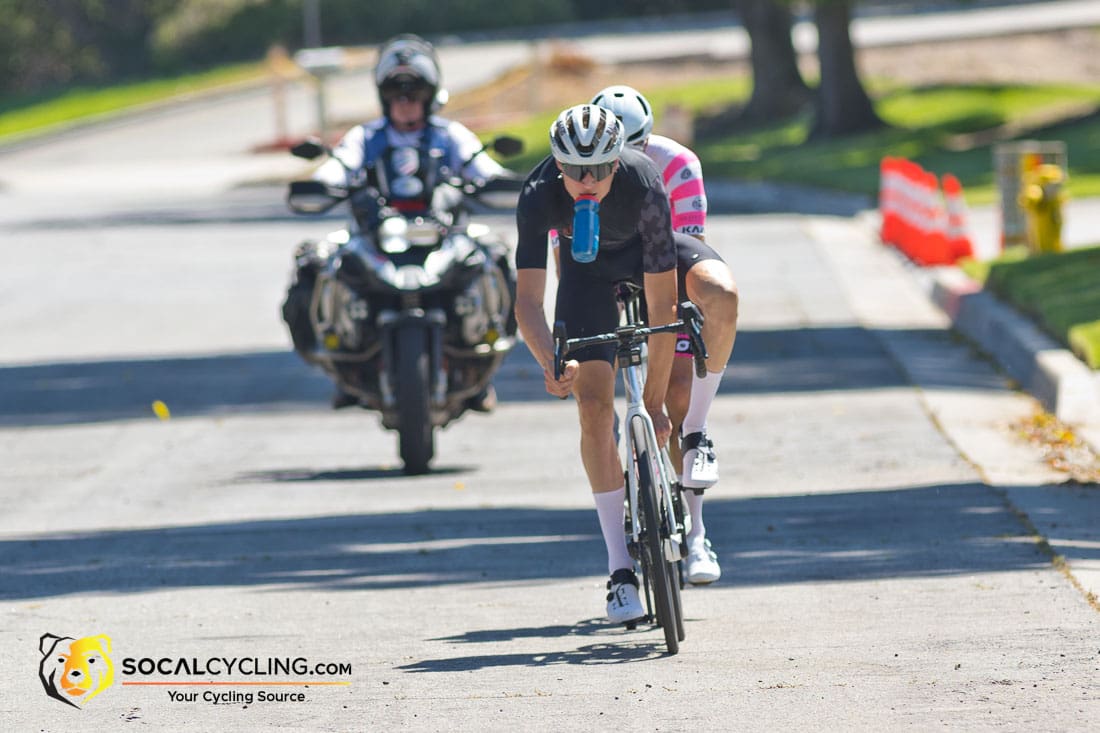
778, 89
843, 107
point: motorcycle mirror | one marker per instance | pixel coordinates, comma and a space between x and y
308, 149
310, 197
507, 145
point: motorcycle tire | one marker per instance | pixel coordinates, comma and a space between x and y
415, 432
296, 315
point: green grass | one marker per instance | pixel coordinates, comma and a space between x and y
939, 127
1061, 291
924, 125
20, 116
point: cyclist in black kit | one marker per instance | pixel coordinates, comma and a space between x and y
636, 243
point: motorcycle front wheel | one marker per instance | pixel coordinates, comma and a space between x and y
412, 377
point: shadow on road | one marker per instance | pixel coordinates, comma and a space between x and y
616, 652
923, 531
781, 360
588, 627
308, 475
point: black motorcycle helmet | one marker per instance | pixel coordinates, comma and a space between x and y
408, 66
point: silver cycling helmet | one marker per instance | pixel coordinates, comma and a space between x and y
632, 109
586, 135
408, 66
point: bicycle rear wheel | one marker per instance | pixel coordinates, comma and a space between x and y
676, 583
655, 566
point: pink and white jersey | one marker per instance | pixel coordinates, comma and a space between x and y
683, 178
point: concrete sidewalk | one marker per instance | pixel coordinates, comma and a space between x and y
1064, 384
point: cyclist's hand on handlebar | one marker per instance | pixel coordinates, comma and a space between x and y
563, 386
662, 426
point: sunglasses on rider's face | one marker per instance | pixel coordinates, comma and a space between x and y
599, 171
406, 93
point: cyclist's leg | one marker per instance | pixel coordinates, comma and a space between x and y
708, 282
587, 306
676, 400
594, 391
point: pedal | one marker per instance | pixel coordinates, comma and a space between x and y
672, 547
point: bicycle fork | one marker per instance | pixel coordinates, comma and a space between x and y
641, 434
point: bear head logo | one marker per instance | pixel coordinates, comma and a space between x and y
75, 670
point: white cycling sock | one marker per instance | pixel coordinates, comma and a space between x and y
695, 508
611, 511
703, 391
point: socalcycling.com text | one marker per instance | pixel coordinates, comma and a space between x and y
246, 666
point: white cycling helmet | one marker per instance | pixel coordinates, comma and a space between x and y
586, 135
632, 109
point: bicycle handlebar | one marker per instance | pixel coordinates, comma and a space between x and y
691, 319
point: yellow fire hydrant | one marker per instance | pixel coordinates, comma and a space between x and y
1042, 198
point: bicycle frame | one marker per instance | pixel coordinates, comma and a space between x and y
641, 440
640, 431
656, 518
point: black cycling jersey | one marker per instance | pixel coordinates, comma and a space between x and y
633, 216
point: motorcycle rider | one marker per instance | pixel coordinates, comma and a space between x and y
589, 158
391, 152
708, 283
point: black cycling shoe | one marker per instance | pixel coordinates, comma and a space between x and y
486, 401
342, 399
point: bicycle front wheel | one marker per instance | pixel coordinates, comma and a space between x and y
656, 566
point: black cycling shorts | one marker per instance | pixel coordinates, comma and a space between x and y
586, 292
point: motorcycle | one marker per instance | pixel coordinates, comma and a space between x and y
409, 309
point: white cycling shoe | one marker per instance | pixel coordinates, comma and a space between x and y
623, 603
700, 461
702, 564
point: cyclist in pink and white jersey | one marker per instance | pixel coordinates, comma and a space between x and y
710, 285
683, 178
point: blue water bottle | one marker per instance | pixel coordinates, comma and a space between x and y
586, 229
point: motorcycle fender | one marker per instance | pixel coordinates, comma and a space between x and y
433, 322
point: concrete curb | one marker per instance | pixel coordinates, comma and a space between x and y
1054, 375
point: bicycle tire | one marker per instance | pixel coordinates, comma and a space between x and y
676, 582
677, 602
656, 566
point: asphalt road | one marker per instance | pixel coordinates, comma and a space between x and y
878, 571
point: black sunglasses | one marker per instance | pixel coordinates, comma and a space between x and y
406, 93
599, 171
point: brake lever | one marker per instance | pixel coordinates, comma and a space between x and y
561, 347
693, 320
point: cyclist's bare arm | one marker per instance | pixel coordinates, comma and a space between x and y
531, 318
660, 293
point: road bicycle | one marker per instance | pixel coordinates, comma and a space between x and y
656, 524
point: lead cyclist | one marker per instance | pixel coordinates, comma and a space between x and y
710, 285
